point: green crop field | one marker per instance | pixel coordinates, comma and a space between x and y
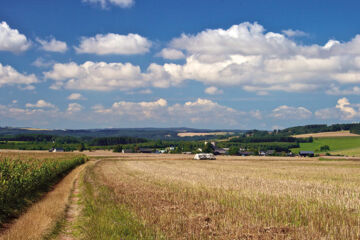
339, 145
23, 177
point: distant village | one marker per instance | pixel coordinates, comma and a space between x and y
212, 148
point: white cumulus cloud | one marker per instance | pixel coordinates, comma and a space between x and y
137, 111
76, 96
288, 112
9, 76
200, 111
244, 56
344, 106
172, 54
103, 76
52, 45
206, 111
213, 90
35, 116
294, 33
43, 63
343, 110
11, 40
105, 3
247, 56
157, 112
40, 104
112, 43
74, 107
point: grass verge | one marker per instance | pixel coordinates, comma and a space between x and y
105, 218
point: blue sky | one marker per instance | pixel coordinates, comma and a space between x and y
206, 64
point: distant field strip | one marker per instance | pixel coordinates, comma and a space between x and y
36, 129
193, 134
186, 199
327, 134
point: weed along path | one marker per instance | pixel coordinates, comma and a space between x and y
72, 213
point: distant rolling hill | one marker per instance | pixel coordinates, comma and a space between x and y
149, 133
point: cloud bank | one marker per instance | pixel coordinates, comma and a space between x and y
247, 56
196, 112
243, 56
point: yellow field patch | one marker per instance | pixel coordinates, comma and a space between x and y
193, 134
327, 134
36, 129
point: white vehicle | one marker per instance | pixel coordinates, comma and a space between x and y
204, 156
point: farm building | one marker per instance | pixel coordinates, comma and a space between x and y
145, 150
171, 148
270, 152
241, 153
127, 151
221, 151
306, 153
204, 156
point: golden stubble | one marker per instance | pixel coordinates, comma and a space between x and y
246, 199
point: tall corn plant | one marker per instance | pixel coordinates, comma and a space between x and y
21, 181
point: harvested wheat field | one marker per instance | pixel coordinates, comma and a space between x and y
240, 198
327, 134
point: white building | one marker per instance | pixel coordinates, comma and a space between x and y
204, 156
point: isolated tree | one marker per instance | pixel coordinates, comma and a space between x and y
208, 148
135, 148
117, 148
81, 147
234, 150
324, 148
